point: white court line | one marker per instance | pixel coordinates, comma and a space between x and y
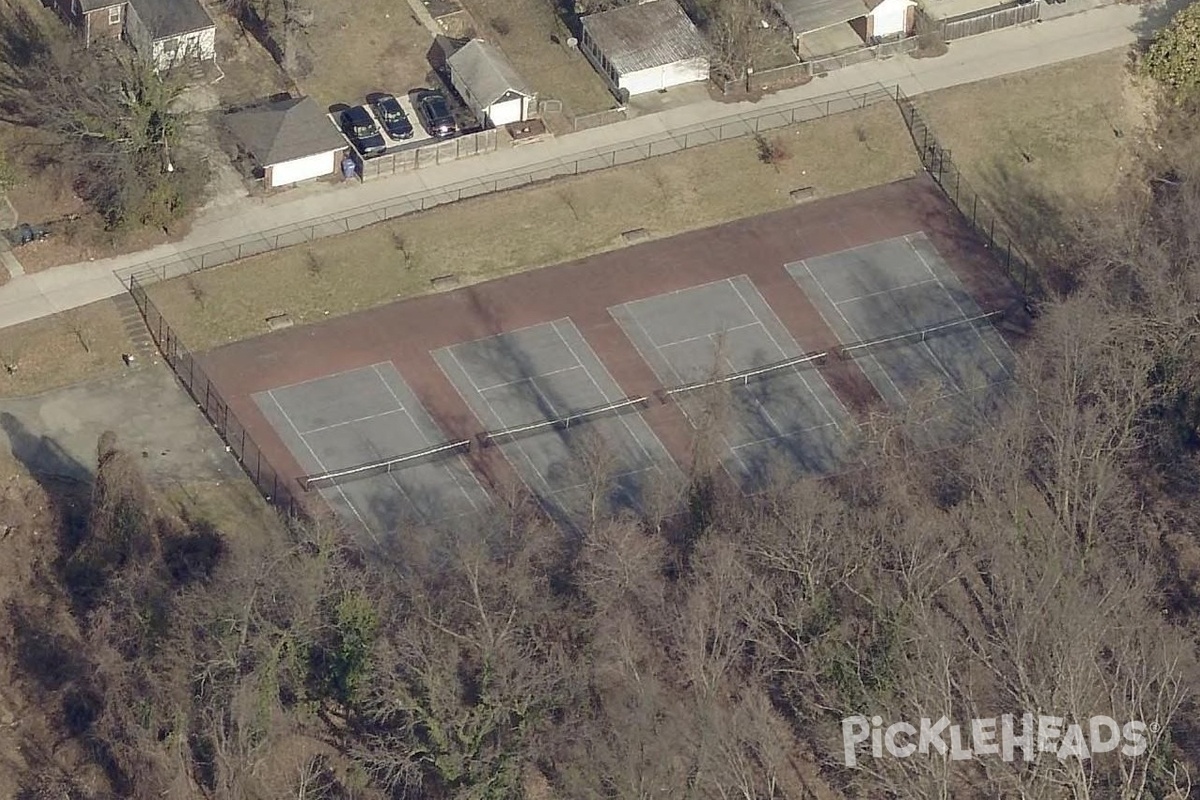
321, 466
503, 384
708, 335
679, 382
624, 422
766, 439
330, 376
849, 327
954, 300
615, 475
783, 353
902, 237
669, 294
425, 437
886, 291
350, 421
491, 409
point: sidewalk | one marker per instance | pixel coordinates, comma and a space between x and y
1064, 38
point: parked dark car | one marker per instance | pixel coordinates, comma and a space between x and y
389, 113
436, 115
361, 130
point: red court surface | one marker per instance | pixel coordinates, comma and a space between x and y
407, 333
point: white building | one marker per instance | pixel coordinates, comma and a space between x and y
646, 47
289, 141
489, 85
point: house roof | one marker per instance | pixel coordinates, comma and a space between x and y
283, 130
165, 18
95, 5
483, 69
651, 34
811, 15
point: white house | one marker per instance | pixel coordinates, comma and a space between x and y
489, 85
289, 140
165, 32
646, 47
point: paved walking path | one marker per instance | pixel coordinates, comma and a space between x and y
1003, 52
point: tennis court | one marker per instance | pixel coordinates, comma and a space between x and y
898, 308
358, 417
559, 417
723, 337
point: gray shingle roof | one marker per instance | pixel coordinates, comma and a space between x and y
284, 130
94, 5
164, 18
652, 34
811, 15
486, 73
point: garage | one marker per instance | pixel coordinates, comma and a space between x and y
645, 48
489, 84
286, 141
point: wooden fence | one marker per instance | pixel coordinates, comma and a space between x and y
820, 66
990, 19
471, 144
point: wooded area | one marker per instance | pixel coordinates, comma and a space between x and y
1047, 564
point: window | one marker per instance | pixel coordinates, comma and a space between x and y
114, 15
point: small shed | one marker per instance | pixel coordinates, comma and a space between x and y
290, 140
645, 48
489, 85
169, 32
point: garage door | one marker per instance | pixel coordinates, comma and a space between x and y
506, 112
301, 169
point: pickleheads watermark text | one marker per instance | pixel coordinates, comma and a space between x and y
1007, 737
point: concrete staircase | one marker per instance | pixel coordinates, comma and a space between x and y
143, 345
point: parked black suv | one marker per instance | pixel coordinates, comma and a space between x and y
436, 115
360, 129
389, 113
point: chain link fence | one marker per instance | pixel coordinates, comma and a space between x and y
973, 206
719, 129
270, 482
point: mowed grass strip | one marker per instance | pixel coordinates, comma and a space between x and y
63, 349
561, 220
1062, 131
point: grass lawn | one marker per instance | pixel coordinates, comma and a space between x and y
523, 29
362, 47
66, 348
536, 226
1064, 133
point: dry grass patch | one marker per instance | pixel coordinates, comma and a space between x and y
1063, 132
500, 234
66, 348
535, 40
365, 46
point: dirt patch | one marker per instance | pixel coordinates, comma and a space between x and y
249, 71
546, 224
362, 47
535, 40
1066, 131
56, 351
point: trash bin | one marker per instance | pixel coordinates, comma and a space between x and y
349, 169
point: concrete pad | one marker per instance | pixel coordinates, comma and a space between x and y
788, 419
549, 372
897, 287
364, 416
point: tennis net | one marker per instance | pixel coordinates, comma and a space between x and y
745, 376
385, 466
562, 423
914, 337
